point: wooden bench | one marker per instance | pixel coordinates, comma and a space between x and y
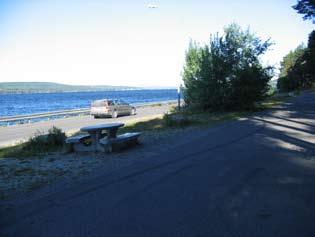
121, 141
79, 142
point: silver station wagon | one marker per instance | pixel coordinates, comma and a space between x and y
111, 108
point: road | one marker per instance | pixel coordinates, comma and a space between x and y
15, 133
253, 177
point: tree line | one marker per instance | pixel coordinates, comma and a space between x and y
298, 66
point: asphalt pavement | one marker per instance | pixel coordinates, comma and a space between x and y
252, 177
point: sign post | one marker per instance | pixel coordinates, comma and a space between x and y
178, 97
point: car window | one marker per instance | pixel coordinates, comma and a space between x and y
110, 103
98, 103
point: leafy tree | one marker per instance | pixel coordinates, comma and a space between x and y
297, 67
292, 69
291, 59
307, 8
311, 55
227, 73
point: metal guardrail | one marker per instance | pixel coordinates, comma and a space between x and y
29, 117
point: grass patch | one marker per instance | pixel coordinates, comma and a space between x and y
273, 101
39, 144
151, 124
182, 119
145, 125
186, 117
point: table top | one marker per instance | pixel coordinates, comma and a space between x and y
98, 127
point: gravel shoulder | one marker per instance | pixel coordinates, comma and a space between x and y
23, 176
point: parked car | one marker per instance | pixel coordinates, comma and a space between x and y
111, 108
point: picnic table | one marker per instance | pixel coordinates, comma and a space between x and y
95, 132
97, 140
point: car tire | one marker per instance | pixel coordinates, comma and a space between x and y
114, 114
96, 116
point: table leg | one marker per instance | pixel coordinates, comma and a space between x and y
112, 133
94, 141
96, 136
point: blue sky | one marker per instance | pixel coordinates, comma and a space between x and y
125, 42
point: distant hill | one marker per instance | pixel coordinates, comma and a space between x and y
49, 87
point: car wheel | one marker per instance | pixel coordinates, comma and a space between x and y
133, 111
114, 114
96, 116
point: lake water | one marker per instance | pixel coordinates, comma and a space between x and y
19, 104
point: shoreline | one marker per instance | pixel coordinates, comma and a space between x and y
79, 91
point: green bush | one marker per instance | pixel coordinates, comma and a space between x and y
227, 73
45, 142
56, 137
